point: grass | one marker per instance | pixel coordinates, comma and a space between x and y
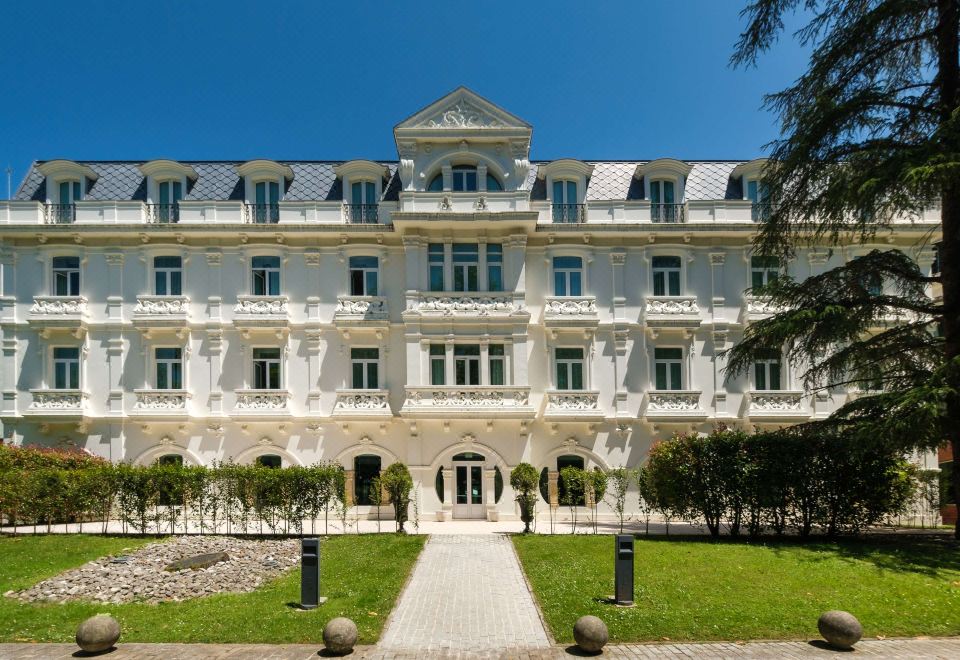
361, 575
697, 589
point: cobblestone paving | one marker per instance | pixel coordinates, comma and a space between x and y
467, 593
890, 648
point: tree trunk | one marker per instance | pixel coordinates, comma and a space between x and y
948, 80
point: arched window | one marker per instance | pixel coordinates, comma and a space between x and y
436, 183
170, 459
464, 180
564, 462
366, 468
269, 461
493, 185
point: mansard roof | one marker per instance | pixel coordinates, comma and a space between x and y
318, 181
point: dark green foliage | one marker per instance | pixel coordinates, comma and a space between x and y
397, 483
525, 480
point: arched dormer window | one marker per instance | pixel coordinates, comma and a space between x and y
363, 187
167, 183
751, 176
465, 178
66, 184
664, 180
264, 183
566, 181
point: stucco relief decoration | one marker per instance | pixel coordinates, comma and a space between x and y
57, 400
468, 398
568, 307
480, 305
361, 306
579, 401
676, 401
261, 401
160, 401
57, 306
463, 115
775, 402
261, 306
361, 401
160, 305
672, 306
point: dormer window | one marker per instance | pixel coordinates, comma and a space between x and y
264, 181
66, 184
663, 207
266, 207
362, 182
167, 181
363, 202
169, 194
465, 178
566, 182
664, 181
751, 175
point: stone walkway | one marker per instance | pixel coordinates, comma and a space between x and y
467, 594
890, 648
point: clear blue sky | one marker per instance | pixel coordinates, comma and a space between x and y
328, 80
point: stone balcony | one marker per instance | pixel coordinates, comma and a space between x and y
164, 403
253, 312
161, 311
59, 312
758, 307
469, 401
572, 405
58, 403
674, 406
471, 305
262, 402
576, 311
362, 404
672, 311
361, 310
774, 405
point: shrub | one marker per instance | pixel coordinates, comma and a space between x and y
398, 483
525, 481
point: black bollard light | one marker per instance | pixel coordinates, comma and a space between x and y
310, 574
623, 569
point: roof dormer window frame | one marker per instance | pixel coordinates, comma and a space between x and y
361, 171
664, 169
58, 172
750, 171
264, 171
566, 169
166, 171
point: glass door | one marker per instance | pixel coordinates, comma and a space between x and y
468, 497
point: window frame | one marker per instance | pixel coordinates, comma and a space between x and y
266, 279
73, 275
761, 272
366, 363
472, 365
567, 273
668, 372
666, 271
169, 363
365, 273
569, 363
67, 361
167, 272
437, 355
267, 362
765, 366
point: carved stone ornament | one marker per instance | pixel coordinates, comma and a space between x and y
672, 306
586, 306
361, 306
462, 114
573, 401
479, 305
160, 400
161, 305
361, 401
776, 401
675, 401
261, 305
59, 305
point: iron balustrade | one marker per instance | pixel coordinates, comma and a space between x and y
569, 213
163, 213
362, 213
61, 214
263, 214
668, 213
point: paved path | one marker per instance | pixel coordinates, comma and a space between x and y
467, 593
890, 648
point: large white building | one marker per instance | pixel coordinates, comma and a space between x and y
462, 309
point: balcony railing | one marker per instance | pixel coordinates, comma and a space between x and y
668, 213
164, 402
57, 402
360, 308
672, 404
673, 310
364, 214
60, 214
760, 211
261, 214
776, 403
362, 403
572, 404
262, 401
462, 304
162, 214
61, 307
569, 213
478, 400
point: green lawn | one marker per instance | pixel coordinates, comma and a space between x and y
361, 575
697, 589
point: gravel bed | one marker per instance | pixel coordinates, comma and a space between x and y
140, 575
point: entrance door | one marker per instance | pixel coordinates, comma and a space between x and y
468, 496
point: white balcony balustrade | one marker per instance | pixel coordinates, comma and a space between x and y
356, 309
362, 404
776, 405
572, 405
674, 405
678, 311
262, 402
261, 311
471, 304
161, 402
467, 401
57, 403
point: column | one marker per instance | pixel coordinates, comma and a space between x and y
513, 262
485, 362
447, 266
313, 339
482, 282
448, 491
215, 332
349, 485
719, 337
553, 491
449, 375
115, 345
490, 494
620, 329
9, 372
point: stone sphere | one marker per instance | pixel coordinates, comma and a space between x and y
840, 629
98, 633
340, 635
590, 634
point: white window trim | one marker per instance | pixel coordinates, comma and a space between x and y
585, 361
784, 376
51, 371
682, 277
365, 361
365, 270
153, 270
685, 370
586, 257
249, 263
49, 271
282, 385
154, 364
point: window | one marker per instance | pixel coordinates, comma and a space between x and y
464, 178
668, 368
567, 276
666, 276
873, 283
492, 184
169, 194
169, 365
170, 459
167, 276
70, 191
363, 201
364, 272
466, 364
766, 371
497, 364
366, 468
565, 200
763, 271
266, 201
435, 257
494, 267
869, 379
438, 364
565, 462
269, 461
366, 364
757, 193
466, 257
569, 364
436, 183
66, 276
662, 201
266, 276
66, 368
266, 369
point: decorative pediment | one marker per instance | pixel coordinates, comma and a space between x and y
462, 109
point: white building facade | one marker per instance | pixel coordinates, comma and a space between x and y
461, 310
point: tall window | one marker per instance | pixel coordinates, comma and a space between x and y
466, 257
266, 369
662, 201
666, 276
757, 193
366, 468
569, 366
170, 459
494, 267
365, 363
565, 200
267, 198
668, 368
167, 276
70, 191
464, 178
763, 271
567, 276
364, 272
266, 276
435, 257
66, 368
466, 364
169, 365
169, 194
438, 364
497, 364
66, 276
363, 199
766, 371
873, 283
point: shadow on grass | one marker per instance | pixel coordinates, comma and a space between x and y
926, 554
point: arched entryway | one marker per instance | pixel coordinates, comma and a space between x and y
468, 486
